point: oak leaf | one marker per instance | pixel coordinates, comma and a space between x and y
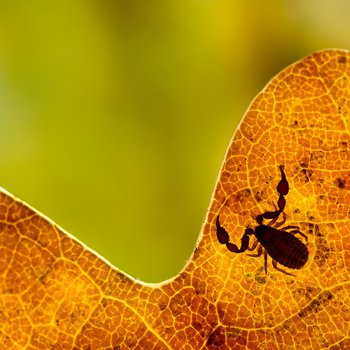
55, 293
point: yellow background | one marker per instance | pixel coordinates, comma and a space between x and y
115, 115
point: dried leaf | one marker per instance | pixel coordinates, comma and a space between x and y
55, 293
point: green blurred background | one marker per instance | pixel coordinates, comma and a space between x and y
115, 115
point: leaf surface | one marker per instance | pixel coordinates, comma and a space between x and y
55, 293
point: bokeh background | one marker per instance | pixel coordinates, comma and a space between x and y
115, 115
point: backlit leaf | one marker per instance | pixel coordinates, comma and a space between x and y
55, 293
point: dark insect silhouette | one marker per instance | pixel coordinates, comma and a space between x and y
272, 239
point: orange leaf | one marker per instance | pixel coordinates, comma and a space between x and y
288, 161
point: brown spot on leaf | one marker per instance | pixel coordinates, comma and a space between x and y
217, 337
317, 304
342, 59
322, 248
340, 183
